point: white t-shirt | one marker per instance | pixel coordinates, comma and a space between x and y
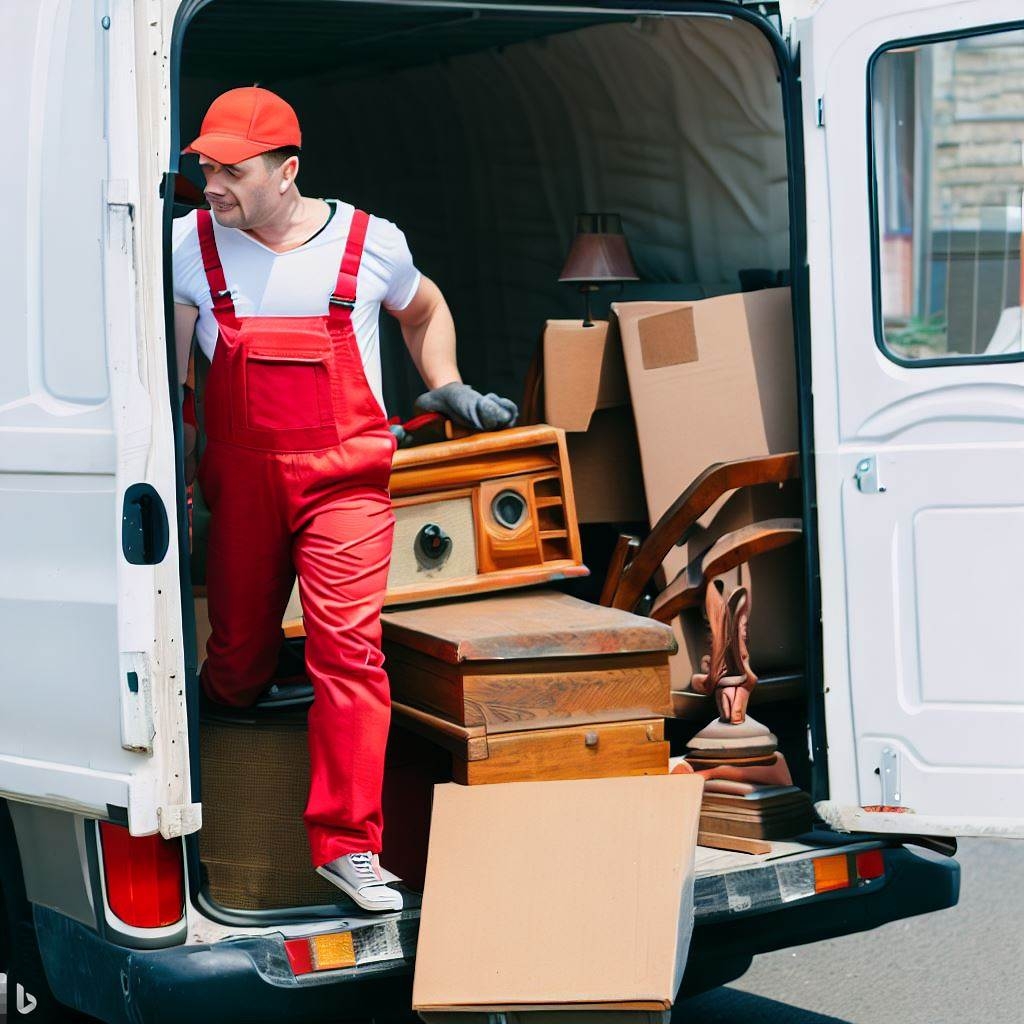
300, 281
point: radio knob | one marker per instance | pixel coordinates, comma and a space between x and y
509, 509
432, 546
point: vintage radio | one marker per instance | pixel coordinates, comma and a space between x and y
478, 513
482, 512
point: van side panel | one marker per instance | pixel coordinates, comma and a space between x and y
91, 668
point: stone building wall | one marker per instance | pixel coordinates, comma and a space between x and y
978, 119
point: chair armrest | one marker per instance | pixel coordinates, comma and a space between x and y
729, 551
715, 481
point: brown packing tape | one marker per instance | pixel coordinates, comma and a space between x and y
668, 339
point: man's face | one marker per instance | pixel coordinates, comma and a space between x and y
244, 195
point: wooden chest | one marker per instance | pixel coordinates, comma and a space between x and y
593, 751
532, 660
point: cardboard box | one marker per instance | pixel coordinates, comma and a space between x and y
549, 1017
583, 372
605, 467
586, 394
558, 896
714, 380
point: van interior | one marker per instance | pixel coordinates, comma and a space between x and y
482, 132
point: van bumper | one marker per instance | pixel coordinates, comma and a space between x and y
915, 883
249, 981
234, 981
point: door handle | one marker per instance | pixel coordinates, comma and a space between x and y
145, 534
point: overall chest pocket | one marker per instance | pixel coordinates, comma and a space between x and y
287, 390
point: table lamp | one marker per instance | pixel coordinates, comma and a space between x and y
599, 255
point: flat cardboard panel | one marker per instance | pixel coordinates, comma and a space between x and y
541, 1015
558, 894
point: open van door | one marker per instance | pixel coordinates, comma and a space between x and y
914, 134
92, 682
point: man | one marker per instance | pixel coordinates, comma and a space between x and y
283, 294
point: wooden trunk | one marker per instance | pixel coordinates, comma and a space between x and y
537, 659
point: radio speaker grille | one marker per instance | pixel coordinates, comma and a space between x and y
454, 516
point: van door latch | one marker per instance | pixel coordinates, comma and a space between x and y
867, 478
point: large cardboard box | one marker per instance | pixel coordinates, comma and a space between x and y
586, 394
558, 896
714, 380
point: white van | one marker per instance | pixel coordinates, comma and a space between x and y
868, 153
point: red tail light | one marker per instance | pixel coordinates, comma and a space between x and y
144, 876
870, 865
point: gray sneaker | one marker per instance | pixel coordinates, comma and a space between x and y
361, 877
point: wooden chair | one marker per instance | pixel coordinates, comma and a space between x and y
630, 585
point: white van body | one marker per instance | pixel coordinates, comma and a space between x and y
920, 599
917, 536
920, 581
94, 695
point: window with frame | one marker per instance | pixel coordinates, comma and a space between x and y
947, 128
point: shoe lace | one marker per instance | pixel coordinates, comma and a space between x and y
363, 864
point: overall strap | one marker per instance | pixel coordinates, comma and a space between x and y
343, 299
222, 303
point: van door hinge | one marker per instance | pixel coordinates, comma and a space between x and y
889, 772
821, 111
867, 478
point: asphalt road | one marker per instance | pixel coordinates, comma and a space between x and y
960, 966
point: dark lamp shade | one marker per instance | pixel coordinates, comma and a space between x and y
599, 252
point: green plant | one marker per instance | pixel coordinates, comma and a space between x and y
920, 336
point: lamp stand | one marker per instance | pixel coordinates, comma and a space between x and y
588, 290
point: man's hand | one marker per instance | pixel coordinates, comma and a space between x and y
464, 405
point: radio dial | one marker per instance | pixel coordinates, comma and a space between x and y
432, 546
509, 509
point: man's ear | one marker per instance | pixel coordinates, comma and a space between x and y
289, 172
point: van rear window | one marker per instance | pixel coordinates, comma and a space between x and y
947, 161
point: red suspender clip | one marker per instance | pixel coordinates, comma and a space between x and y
345, 288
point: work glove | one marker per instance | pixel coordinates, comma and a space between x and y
465, 405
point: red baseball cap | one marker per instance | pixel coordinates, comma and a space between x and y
244, 122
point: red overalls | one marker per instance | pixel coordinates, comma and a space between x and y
295, 473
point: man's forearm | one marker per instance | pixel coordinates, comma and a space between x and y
429, 333
431, 344
430, 337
